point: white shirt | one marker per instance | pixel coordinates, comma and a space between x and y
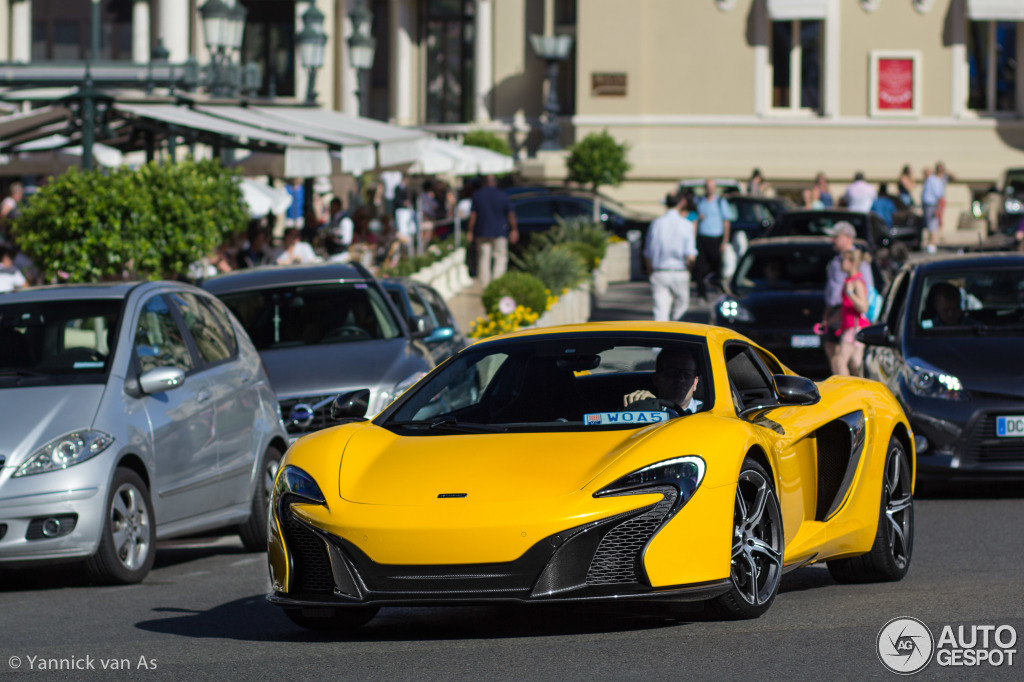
391, 180
860, 195
11, 279
670, 241
301, 252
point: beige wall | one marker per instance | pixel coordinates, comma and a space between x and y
518, 74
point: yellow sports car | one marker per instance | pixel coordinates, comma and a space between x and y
606, 461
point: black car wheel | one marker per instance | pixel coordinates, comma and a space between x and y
338, 619
254, 531
889, 558
757, 546
126, 550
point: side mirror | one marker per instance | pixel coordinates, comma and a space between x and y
351, 406
794, 390
422, 326
160, 379
440, 334
876, 335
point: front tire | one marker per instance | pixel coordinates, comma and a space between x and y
254, 531
757, 547
331, 619
126, 550
889, 558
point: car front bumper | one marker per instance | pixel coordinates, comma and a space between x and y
959, 438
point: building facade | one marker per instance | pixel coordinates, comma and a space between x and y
696, 87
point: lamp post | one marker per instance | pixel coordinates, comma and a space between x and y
361, 45
311, 41
223, 29
553, 50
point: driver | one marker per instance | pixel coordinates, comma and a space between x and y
944, 300
675, 379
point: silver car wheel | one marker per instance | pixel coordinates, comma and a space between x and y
757, 540
129, 526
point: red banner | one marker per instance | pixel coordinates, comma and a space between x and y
896, 84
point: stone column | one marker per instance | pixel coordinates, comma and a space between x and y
958, 55
173, 27
21, 30
832, 70
349, 82
762, 86
401, 62
140, 32
483, 49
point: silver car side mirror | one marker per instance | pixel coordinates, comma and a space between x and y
160, 379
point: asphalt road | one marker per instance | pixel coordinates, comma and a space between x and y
201, 614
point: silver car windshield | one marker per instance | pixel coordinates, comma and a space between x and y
313, 314
564, 384
57, 342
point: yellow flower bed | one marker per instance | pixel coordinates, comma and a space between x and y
499, 323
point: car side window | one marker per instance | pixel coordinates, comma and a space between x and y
220, 313
574, 209
203, 327
750, 385
895, 302
771, 363
441, 312
419, 308
158, 339
541, 209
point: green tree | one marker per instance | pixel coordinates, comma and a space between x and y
598, 160
487, 140
147, 223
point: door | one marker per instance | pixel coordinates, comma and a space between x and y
233, 394
181, 419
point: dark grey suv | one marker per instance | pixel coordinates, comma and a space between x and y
324, 330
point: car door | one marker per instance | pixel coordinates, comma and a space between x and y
790, 429
181, 419
886, 363
233, 394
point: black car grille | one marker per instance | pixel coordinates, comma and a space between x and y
311, 567
320, 415
617, 559
985, 447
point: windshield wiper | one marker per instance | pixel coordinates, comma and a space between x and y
21, 373
448, 424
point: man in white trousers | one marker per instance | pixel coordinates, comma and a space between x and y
669, 253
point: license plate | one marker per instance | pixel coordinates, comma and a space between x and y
1010, 427
805, 341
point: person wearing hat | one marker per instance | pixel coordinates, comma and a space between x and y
843, 236
669, 253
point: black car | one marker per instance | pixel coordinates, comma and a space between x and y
426, 312
776, 296
754, 215
323, 331
1011, 212
950, 346
870, 227
538, 212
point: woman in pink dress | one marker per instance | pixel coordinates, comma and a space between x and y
850, 354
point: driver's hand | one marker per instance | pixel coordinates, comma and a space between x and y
636, 396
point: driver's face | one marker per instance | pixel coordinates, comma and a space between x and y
948, 310
676, 378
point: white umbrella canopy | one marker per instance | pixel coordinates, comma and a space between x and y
442, 156
48, 155
263, 199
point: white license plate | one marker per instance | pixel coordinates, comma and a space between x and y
805, 341
1010, 427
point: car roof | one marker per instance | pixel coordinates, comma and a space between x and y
957, 262
282, 275
75, 292
639, 327
836, 212
796, 240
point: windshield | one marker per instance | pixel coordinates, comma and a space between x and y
818, 224
558, 383
776, 269
1014, 182
971, 302
313, 314
57, 342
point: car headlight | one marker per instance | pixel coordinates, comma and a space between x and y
733, 311
68, 450
685, 473
293, 481
929, 382
1013, 205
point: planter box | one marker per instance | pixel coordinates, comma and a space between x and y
448, 275
572, 308
617, 262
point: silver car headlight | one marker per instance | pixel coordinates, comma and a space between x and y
68, 450
929, 382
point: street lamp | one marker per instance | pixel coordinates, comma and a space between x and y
361, 45
311, 41
553, 50
223, 29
